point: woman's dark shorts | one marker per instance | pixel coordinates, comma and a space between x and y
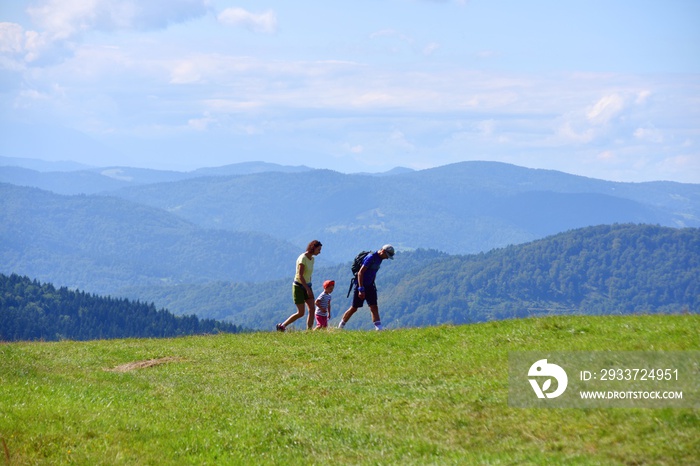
299, 293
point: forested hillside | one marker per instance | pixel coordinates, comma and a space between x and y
249, 228
608, 269
102, 244
619, 269
30, 310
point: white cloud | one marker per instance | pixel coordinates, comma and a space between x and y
606, 109
231, 105
606, 156
567, 133
485, 54
397, 42
31, 95
430, 49
61, 25
201, 124
185, 72
684, 163
354, 149
487, 127
606, 119
12, 46
262, 22
398, 139
63, 19
649, 135
642, 97
333, 102
11, 38
372, 98
19, 47
66, 18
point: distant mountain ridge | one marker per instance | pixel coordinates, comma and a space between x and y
74, 178
42, 165
249, 228
104, 243
59, 178
462, 208
248, 168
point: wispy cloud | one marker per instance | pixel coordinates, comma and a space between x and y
60, 24
389, 91
397, 41
265, 22
606, 109
12, 40
66, 18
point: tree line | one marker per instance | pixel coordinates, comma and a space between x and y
606, 269
30, 310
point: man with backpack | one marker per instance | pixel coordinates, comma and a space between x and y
365, 289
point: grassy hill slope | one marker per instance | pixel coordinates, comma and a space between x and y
420, 396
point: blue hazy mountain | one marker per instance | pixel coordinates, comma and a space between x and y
462, 208
249, 227
101, 244
60, 178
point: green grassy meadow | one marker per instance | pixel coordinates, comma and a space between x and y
417, 396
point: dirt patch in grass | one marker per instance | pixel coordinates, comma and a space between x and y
131, 366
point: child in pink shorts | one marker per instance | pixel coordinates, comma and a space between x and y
323, 305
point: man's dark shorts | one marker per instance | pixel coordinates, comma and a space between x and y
370, 297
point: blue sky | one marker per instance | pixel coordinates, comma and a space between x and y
605, 89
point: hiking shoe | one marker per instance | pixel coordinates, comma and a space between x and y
280, 328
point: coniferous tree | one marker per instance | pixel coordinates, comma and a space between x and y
30, 310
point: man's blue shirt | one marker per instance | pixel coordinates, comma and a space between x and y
371, 263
